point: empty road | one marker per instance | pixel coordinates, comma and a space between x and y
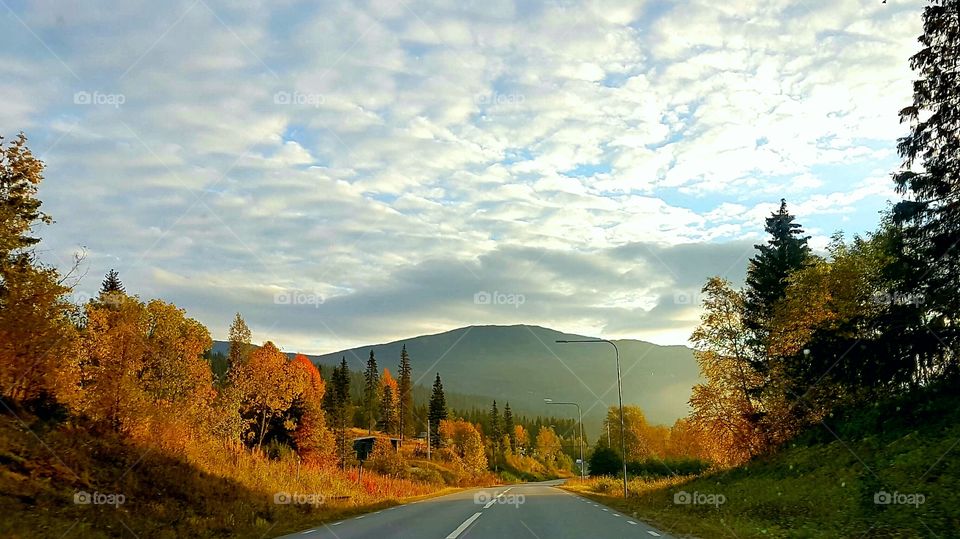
531, 510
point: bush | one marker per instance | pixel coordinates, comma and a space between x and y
667, 467
605, 461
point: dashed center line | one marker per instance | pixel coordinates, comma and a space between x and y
653, 533
464, 525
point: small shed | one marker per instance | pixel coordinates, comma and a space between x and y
363, 445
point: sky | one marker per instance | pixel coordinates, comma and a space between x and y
347, 173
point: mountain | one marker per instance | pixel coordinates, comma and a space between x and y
523, 364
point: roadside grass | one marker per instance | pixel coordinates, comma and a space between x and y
191, 488
903, 451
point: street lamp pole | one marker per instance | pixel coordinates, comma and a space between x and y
580, 422
623, 443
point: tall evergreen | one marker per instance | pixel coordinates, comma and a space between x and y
437, 411
111, 283
371, 392
785, 252
508, 426
240, 346
388, 410
930, 217
405, 398
496, 430
340, 406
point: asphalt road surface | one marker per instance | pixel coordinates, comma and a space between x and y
533, 510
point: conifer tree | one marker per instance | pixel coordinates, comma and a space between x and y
371, 392
508, 427
111, 283
437, 412
405, 396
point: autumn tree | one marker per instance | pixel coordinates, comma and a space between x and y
174, 371
37, 336
405, 395
727, 405
464, 439
437, 411
371, 392
313, 440
388, 403
521, 439
549, 448
268, 388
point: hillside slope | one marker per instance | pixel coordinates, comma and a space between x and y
524, 364
887, 471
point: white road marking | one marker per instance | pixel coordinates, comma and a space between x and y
359, 517
337, 523
631, 522
308, 531
491, 502
466, 523
605, 509
653, 533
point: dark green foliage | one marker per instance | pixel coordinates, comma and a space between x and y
605, 461
405, 388
508, 426
652, 468
371, 392
111, 283
785, 252
437, 412
930, 217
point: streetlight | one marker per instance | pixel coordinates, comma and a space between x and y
580, 414
623, 443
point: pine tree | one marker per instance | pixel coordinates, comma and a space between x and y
785, 252
371, 392
496, 434
111, 283
930, 218
508, 426
388, 403
405, 397
240, 346
339, 408
438, 411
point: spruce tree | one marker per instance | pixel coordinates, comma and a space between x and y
405, 398
437, 412
240, 346
785, 252
930, 217
341, 406
508, 426
371, 392
388, 410
111, 283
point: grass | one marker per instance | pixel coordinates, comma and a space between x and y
188, 488
821, 486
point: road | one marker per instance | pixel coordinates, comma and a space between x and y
534, 510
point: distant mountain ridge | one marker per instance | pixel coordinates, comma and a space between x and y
523, 364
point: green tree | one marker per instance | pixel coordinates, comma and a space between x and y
605, 461
20, 174
111, 283
371, 392
405, 395
767, 272
337, 408
508, 426
496, 435
930, 217
240, 346
437, 411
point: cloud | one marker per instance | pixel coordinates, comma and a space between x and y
395, 159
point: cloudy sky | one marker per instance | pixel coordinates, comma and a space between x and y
346, 173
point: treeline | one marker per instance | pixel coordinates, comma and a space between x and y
875, 318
